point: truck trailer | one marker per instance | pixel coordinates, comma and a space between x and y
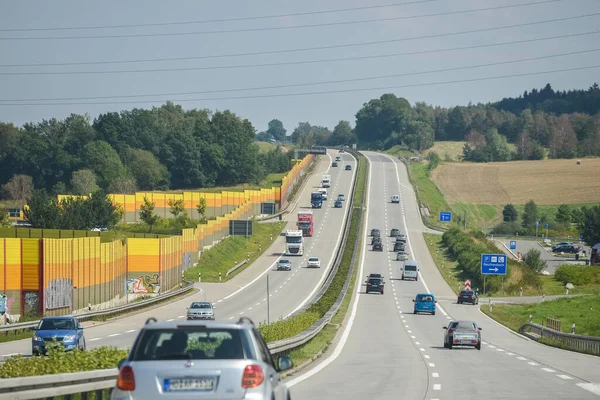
326, 180
305, 222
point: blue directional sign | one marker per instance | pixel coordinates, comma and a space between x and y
445, 216
537, 223
547, 226
493, 264
513, 244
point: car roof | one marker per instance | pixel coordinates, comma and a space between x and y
425, 294
185, 324
62, 317
463, 321
202, 302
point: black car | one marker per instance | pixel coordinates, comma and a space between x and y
565, 247
374, 285
395, 232
468, 296
399, 246
375, 232
334, 164
348, 167
375, 239
378, 247
378, 276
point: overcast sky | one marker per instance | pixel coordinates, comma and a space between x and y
216, 80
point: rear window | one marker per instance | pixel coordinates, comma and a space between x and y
410, 267
466, 293
191, 343
426, 298
201, 305
313, 259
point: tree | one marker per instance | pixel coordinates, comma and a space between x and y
533, 261
201, 207
590, 226
122, 185
83, 182
42, 210
5, 222
530, 216
147, 214
18, 188
102, 211
378, 119
563, 141
510, 213
563, 214
148, 172
342, 134
276, 130
104, 161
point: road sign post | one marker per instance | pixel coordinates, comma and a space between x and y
513, 244
547, 226
445, 216
493, 264
537, 223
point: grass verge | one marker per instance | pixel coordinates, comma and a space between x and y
233, 250
579, 310
285, 328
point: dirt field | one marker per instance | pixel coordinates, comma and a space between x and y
517, 182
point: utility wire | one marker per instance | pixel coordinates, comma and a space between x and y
327, 47
276, 64
207, 21
297, 85
276, 28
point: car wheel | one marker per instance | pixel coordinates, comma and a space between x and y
83, 347
433, 313
382, 292
414, 312
450, 346
478, 347
34, 353
445, 345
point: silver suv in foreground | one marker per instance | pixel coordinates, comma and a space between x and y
201, 359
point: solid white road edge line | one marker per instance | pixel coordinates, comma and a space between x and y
340, 346
331, 259
270, 266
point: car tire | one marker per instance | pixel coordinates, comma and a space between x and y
433, 313
415, 312
450, 346
478, 347
382, 292
84, 345
445, 345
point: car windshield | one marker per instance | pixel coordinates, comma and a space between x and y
293, 239
284, 262
425, 298
200, 305
466, 293
55, 324
191, 343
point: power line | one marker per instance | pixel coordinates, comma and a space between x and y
329, 47
278, 64
206, 21
292, 85
281, 27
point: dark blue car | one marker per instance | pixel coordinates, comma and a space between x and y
337, 204
64, 330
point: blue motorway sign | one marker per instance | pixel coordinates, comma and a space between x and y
493, 264
513, 244
445, 216
547, 226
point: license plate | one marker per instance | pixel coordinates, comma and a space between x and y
188, 384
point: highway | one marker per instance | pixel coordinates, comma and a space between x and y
385, 351
246, 293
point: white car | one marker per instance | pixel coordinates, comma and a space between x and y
395, 199
314, 262
323, 191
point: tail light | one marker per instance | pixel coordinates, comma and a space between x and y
253, 377
368, 284
456, 340
126, 379
474, 341
450, 330
471, 297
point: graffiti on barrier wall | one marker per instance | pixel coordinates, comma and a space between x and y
32, 302
58, 294
144, 284
186, 260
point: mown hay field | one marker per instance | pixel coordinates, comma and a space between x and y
517, 182
452, 151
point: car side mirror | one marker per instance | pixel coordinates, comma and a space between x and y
33, 328
413, 300
123, 361
480, 329
79, 327
284, 363
445, 327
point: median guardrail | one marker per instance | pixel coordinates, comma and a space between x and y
98, 381
86, 316
566, 341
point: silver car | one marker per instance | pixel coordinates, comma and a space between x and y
462, 333
201, 310
207, 360
402, 256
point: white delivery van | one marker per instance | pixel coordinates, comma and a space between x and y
323, 191
395, 199
410, 270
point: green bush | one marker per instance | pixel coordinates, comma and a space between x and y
58, 361
577, 275
283, 329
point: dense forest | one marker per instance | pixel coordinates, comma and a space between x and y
161, 148
540, 123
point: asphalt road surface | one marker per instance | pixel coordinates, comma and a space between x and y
552, 261
246, 293
387, 352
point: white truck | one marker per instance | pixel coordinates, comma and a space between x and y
294, 243
326, 181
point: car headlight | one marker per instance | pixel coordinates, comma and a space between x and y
70, 338
37, 338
